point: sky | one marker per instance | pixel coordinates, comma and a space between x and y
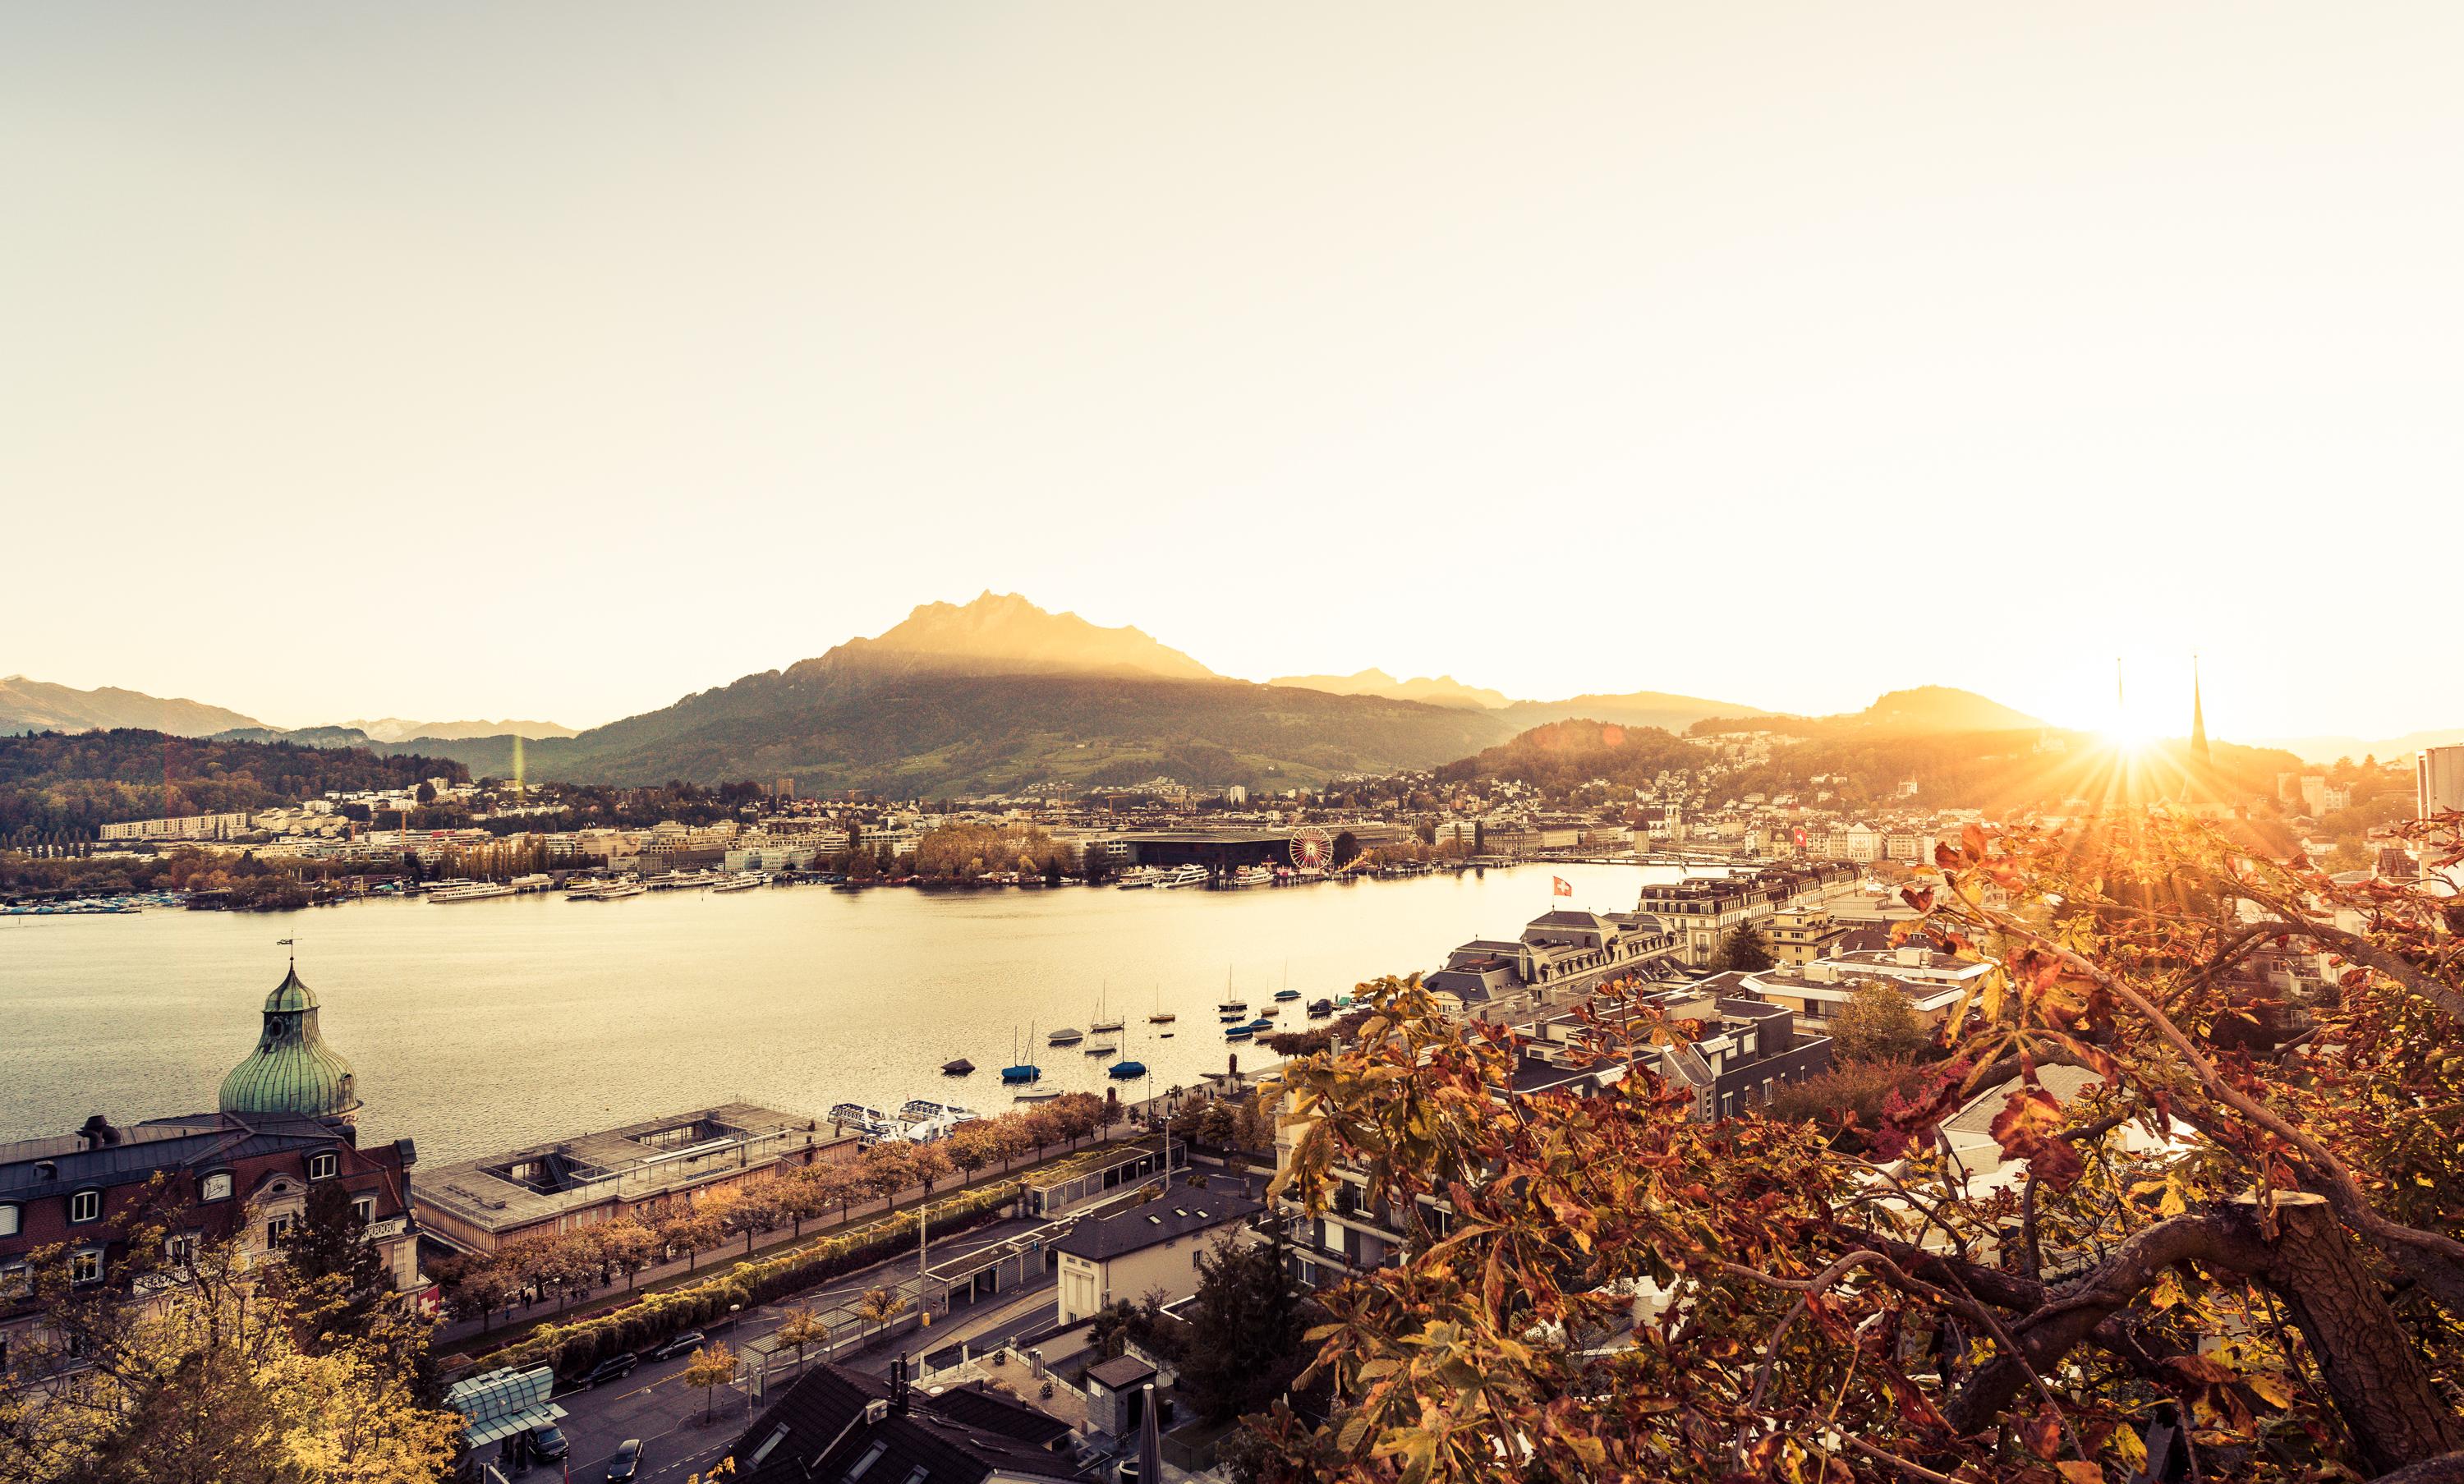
559, 360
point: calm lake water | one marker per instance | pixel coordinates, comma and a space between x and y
493, 1024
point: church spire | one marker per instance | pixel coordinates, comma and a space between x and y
2198, 718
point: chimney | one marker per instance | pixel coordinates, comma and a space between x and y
97, 1133
898, 1386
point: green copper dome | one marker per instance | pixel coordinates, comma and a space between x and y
292, 1070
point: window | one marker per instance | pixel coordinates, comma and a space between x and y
180, 1249
363, 1209
85, 1265
216, 1187
7, 1221
86, 1205
279, 1231
321, 1166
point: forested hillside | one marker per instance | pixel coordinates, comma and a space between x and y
66, 785
1565, 755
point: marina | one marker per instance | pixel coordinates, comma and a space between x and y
472, 1028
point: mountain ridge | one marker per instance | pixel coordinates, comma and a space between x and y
29, 704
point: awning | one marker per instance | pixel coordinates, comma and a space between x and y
501, 1403
503, 1428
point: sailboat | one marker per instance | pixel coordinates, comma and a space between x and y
1127, 1069
1161, 1016
1101, 1026
1023, 1070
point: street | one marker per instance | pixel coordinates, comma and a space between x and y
655, 1406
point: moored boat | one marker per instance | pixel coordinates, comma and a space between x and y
961, 1067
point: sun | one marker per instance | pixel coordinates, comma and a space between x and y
2127, 734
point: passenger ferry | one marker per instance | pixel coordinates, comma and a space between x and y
1190, 875
1140, 878
742, 881
1253, 876
476, 891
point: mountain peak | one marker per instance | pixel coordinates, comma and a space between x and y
1005, 633
1430, 690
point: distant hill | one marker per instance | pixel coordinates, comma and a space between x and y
1943, 708
39, 706
2324, 749
59, 785
1925, 709
998, 695
1633, 708
301, 737
395, 728
1565, 755
1432, 690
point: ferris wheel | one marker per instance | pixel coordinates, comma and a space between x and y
1312, 849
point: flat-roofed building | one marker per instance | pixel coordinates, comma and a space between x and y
1802, 934
481, 1203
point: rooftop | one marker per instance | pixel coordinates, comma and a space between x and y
503, 1191
824, 1428
1181, 1211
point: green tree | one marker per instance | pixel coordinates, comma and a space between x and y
1246, 1327
1742, 950
1876, 1024
329, 1253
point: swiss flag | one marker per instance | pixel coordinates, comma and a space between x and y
1559, 887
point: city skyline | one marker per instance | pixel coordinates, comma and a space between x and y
1919, 346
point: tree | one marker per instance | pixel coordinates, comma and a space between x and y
889, 1166
2261, 1241
624, 1247
878, 1306
1344, 850
841, 1182
931, 1162
1876, 1024
1246, 1327
204, 1371
801, 1328
1742, 950
329, 1254
712, 1366
973, 1145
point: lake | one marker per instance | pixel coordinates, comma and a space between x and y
493, 1024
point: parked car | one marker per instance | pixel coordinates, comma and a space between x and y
678, 1344
549, 1444
626, 1463
616, 1367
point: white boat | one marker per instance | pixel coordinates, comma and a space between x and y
618, 892
1139, 878
1253, 876
1067, 1035
742, 881
480, 892
1191, 875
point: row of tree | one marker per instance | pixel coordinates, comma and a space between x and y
570, 1265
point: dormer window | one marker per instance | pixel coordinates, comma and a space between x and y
322, 1166
85, 1205
216, 1187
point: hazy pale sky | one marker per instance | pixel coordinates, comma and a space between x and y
558, 359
